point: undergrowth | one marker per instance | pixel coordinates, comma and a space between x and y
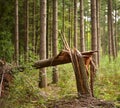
107, 83
24, 92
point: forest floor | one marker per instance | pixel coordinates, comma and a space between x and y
24, 93
83, 102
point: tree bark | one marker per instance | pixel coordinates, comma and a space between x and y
98, 29
80, 62
62, 58
110, 31
83, 87
93, 29
82, 39
26, 30
69, 29
42, 74
63, 17
47, 30
116, 28
34, 24
55, 37
75, 23
16, 34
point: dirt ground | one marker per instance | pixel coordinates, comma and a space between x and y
83, 102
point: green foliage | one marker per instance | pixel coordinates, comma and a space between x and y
6, 46
6, 29
67, 80
24, 92
107, 84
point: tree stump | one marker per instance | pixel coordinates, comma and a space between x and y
83, 87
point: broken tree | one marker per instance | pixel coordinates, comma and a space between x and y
80, 62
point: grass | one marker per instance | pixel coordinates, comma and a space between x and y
24, 93
107, 85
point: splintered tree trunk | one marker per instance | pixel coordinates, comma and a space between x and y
80, 61
62, 58
80, 73
92, 78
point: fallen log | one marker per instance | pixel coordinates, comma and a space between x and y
62, 58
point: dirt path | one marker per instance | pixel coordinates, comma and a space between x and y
81, 103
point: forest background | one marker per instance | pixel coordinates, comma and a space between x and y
31, 30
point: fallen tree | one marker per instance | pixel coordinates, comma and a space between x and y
62, 58
80, 62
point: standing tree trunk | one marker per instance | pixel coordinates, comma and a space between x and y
94, 29
109, 34
55, 36
82, 39
34, 35
50, 31
16, 34
63, 17
47, 30
75, 23
98, 29
37, 26
42, 73
86, 31
110, 31
69, 29
72, 23
26, 30
116, 28
93, 40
